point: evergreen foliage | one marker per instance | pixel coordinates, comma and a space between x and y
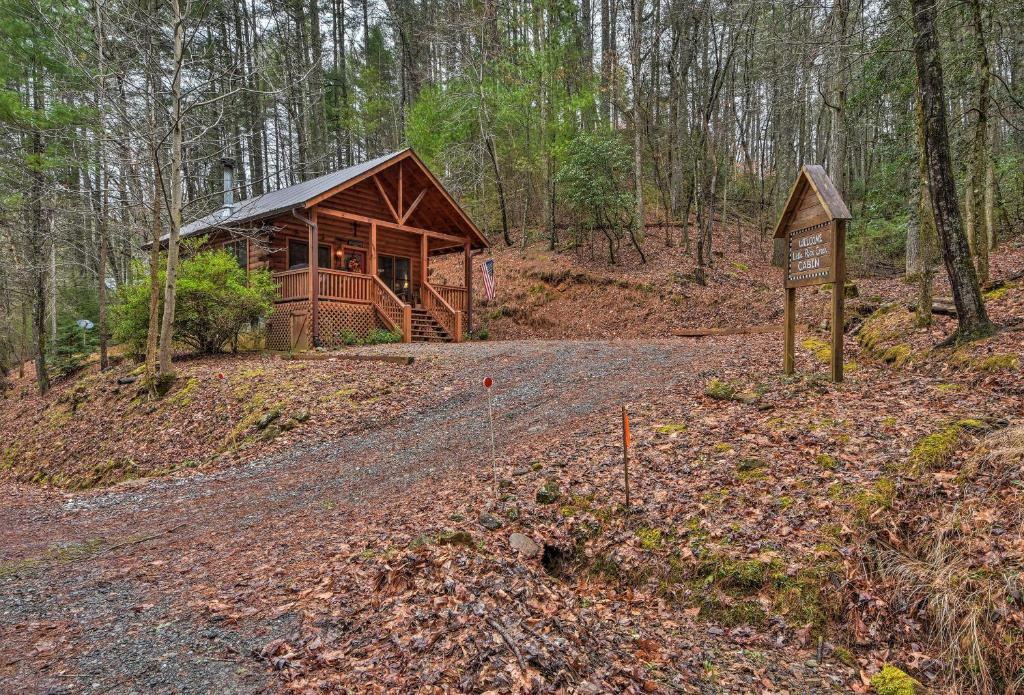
216, 301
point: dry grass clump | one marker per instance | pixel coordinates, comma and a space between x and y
953, 563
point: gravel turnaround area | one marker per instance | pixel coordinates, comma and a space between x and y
108, 591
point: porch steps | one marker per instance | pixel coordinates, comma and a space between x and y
426, 330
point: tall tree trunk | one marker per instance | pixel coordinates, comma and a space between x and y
971, 315
37, 230
174, 209
990, 188
636, 77
153, 334
51, 309
489, 141
839, 128
922, 266
101, 185
488, 138
101, 288
977, 230
607, 64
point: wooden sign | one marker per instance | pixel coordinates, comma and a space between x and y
811, 257
813, 227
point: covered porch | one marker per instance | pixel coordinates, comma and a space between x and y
377, 260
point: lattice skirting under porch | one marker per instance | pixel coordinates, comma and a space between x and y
285, 326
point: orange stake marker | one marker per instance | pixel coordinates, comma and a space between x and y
626, 439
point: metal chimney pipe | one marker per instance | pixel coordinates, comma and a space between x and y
229, 183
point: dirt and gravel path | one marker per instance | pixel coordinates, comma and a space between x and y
108, 592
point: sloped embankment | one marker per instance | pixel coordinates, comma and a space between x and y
96, 429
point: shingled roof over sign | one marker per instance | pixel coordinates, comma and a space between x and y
814, 177
284, 199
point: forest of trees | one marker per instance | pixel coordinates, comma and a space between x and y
115, 116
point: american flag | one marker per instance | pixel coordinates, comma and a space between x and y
488, 271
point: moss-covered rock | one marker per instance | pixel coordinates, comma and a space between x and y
934, 450
749, 464
844, 656
267, 418
827, 462
998, 292
732, 613
720, 390
1000, 363
548, 493
896, 355
892, 681
450, 537
821, 350
866, 501
650, 538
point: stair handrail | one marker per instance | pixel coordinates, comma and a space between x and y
442, 311
382, 297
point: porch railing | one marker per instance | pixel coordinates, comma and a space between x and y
396, 313
352, 287
292, 284
349, 287
448, 318
455, 296
334, 284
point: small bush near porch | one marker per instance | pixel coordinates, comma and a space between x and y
216, 300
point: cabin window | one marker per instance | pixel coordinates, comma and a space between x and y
298, 255
239, 248
394, 272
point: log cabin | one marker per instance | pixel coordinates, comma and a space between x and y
375, 226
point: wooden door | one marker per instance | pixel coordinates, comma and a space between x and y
299, 330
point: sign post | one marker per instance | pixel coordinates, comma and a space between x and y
813, 225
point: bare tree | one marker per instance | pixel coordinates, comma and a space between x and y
971, 315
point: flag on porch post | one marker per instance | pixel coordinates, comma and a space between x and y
488, 271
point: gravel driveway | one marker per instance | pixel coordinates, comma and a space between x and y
99, 591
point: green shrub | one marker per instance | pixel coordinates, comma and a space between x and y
349, 337
382, 337
72, 347
215, 301
594, 180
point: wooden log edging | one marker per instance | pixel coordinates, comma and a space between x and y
741, 330
356, 357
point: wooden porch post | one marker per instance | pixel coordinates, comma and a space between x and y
468, 267
314, 277
423, 260
372, 261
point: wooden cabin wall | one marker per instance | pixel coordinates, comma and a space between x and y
256, 255
336, 233
361, 199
